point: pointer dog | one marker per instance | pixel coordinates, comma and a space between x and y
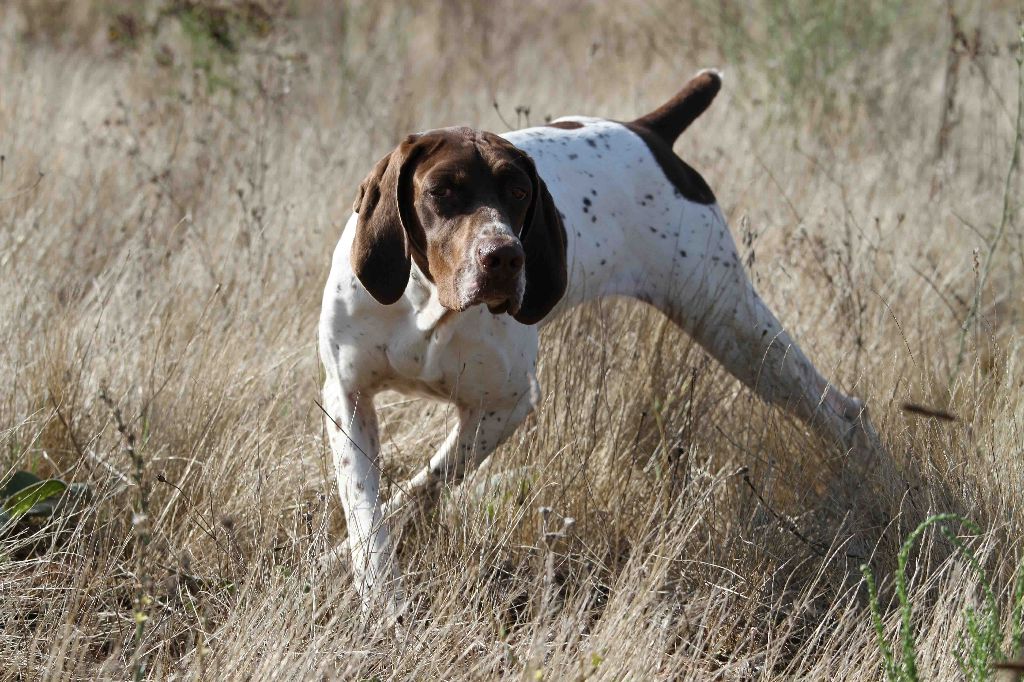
463, 243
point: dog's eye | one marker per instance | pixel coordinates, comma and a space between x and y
519, 193
442, 192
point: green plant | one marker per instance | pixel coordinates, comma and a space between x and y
24, 495
814, 50
142, 528
980, 646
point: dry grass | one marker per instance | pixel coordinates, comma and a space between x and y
172, 184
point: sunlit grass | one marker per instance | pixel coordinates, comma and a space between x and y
173, 179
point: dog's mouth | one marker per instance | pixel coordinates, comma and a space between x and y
500, 295
497, 302
501, 307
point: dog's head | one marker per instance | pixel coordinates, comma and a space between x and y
472, 212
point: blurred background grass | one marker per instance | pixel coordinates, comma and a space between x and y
173, 178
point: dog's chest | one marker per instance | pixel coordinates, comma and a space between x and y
469, 358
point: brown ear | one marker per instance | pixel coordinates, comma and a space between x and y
380, 251
544, 242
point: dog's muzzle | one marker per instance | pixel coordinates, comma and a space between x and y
497, 279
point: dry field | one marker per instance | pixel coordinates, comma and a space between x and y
173, 178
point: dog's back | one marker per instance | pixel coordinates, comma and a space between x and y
638, 219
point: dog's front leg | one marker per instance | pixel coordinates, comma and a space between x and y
478, 433
352, 429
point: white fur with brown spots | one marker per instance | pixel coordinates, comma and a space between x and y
631, 231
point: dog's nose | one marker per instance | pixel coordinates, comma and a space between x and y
503, 260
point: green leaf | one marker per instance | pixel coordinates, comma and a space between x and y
19, 481
26, 499
45, 507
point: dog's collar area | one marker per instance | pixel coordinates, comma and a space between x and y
422, 295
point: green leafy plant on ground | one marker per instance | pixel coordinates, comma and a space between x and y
26, 496
980, 647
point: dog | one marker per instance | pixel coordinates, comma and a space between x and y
463, 243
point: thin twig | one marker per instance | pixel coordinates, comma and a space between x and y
205, 526
67, 427
785, 523
993, 246
497, 110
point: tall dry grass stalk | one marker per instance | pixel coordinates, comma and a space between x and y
173, 178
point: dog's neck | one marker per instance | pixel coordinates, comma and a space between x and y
422, 294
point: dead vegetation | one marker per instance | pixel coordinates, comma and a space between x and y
173, 177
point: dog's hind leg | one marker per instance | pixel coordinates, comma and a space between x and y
717, 305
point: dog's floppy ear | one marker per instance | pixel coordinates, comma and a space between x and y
543, 238
380, 250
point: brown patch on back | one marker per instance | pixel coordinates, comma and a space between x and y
565, 125
660, 128
684, 178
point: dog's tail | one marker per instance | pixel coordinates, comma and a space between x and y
674, 116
